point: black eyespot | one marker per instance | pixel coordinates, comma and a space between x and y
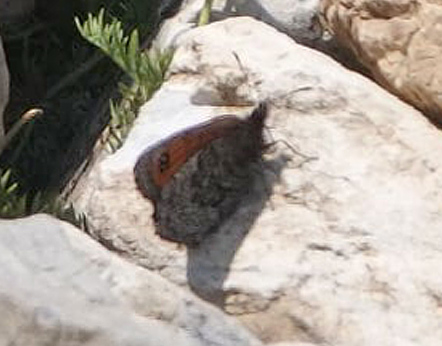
164, 161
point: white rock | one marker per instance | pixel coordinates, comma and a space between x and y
348, 250
293, 344
58, 286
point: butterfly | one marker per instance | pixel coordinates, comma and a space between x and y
196, 177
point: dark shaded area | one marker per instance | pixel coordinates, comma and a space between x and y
54, 68
209, 263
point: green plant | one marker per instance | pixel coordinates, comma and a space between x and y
11, 203
14, 205
54, 205
147, 70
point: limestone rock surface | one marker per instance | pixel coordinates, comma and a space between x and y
400, 42
60, 287
346, 249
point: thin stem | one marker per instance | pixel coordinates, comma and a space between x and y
205, 13
25, 118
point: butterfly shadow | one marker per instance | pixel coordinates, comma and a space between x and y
209, 262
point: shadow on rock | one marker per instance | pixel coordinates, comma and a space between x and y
209, 263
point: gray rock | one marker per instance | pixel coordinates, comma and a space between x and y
348, 247
297, 18
58, 286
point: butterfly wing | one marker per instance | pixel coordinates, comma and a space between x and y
157, 165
